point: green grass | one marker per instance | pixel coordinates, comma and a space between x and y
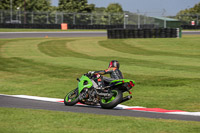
45, 30
40, 121
166, 72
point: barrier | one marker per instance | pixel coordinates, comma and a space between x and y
142, 33
71, 26
190, 26
64, 26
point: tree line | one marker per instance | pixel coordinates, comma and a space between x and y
69, 6
65, 6
113, 12
191, 14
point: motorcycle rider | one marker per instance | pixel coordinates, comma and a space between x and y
113, 70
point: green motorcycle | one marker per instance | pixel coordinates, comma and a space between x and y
89, 93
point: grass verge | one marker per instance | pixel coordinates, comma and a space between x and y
40, 121
166, 71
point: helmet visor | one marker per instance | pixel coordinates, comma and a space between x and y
110, 65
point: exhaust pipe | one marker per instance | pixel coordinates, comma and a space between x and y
126, 99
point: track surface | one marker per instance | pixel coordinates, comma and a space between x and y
13, 102
67, 34
191, 32
52, 34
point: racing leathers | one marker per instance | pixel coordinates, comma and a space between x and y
114, 72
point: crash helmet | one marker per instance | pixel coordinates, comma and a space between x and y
114, 63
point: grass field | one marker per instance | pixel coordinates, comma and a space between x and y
166, 72
41, 121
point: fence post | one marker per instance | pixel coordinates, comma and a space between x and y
124, 21
74, 18
91, 19
165, 23
24, 17
62, 18
47, 18
109, 19
56, 17
11, 14
32, 18
1, 17
138, 21
20, 16
16, 15
145, 18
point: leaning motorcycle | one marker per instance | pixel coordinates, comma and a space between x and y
89, 93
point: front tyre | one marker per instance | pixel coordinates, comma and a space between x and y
113, 101
71, 98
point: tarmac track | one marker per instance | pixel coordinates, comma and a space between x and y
13, 102
67, 34
191, 32
52, 34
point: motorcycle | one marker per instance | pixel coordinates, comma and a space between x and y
108, 96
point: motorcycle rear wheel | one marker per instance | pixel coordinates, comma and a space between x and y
71, 98
113, 101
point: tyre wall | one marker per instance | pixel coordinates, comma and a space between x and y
142, 33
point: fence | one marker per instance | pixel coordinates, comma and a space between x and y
126, 18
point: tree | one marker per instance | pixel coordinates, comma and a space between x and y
77, 6
26, 5
38, 5
114, 8
79, 10
32, 11
195, 9
188, 15
98, 14
114, 14
99, 9
4, 4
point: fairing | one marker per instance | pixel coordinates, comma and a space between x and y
81, 84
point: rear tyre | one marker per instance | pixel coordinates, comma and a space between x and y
113, 101
71, 98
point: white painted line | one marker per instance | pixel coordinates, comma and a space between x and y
36, 98
186, 113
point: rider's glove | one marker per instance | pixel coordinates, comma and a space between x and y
91, 72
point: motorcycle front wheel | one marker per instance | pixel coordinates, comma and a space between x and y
113, 101
71, 98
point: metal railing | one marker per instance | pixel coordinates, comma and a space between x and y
138, 18
125, 18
